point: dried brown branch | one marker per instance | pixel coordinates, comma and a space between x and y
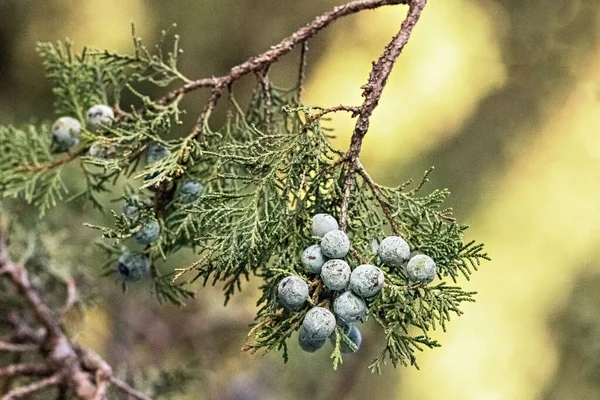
372, 91
125, 388
84, 372
23, 391
25, 369
16, 347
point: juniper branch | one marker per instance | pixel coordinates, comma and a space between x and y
372, 91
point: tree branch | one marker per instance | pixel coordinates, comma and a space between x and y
84, 372
32, 388
372, 91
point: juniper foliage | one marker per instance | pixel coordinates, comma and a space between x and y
266, 171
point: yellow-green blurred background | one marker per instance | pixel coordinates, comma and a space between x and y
503, 97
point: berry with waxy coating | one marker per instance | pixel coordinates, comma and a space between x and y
307, 344
335, 244
318, 323
313, 259
65, 133
349, 308
156, 152
99, 116
323, 223
148, 233
190, 192
292, 292
336, 274
421, 268
133, 266
353, 334
366, 280
131, 208
393, 251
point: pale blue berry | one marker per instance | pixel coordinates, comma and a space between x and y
99, 116
131, 208
335, 244
349, 308
148, 233
323, 223
318, 323
65, 133
353, 334
335, 274
421, 268
393, 251
156, 152
307, 344
292, 292
190, 192
313, 259
366, 280
132, 266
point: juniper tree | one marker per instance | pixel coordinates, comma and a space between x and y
242, 195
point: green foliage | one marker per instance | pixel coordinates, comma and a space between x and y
266, 172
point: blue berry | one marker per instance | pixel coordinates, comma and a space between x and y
349, 308
312, 258
318, 323
292, 292
335, 244
307, 344
148, 233
65, 133
132, 206
366, 280
353, 334
421, 268
190, 192
323, 223
335, 274
156, 152
393, 251
132, 266
99, 116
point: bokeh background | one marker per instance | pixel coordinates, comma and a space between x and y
503, 97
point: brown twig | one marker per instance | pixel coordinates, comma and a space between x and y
23, 391
16, 348
383, 203
302, 69
324, 111
125, 388
56, 163
84, 372
25, 369
372, 91
71, 297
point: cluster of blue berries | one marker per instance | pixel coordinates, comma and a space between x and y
133, 266
348, 287
66, 130
394, 252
